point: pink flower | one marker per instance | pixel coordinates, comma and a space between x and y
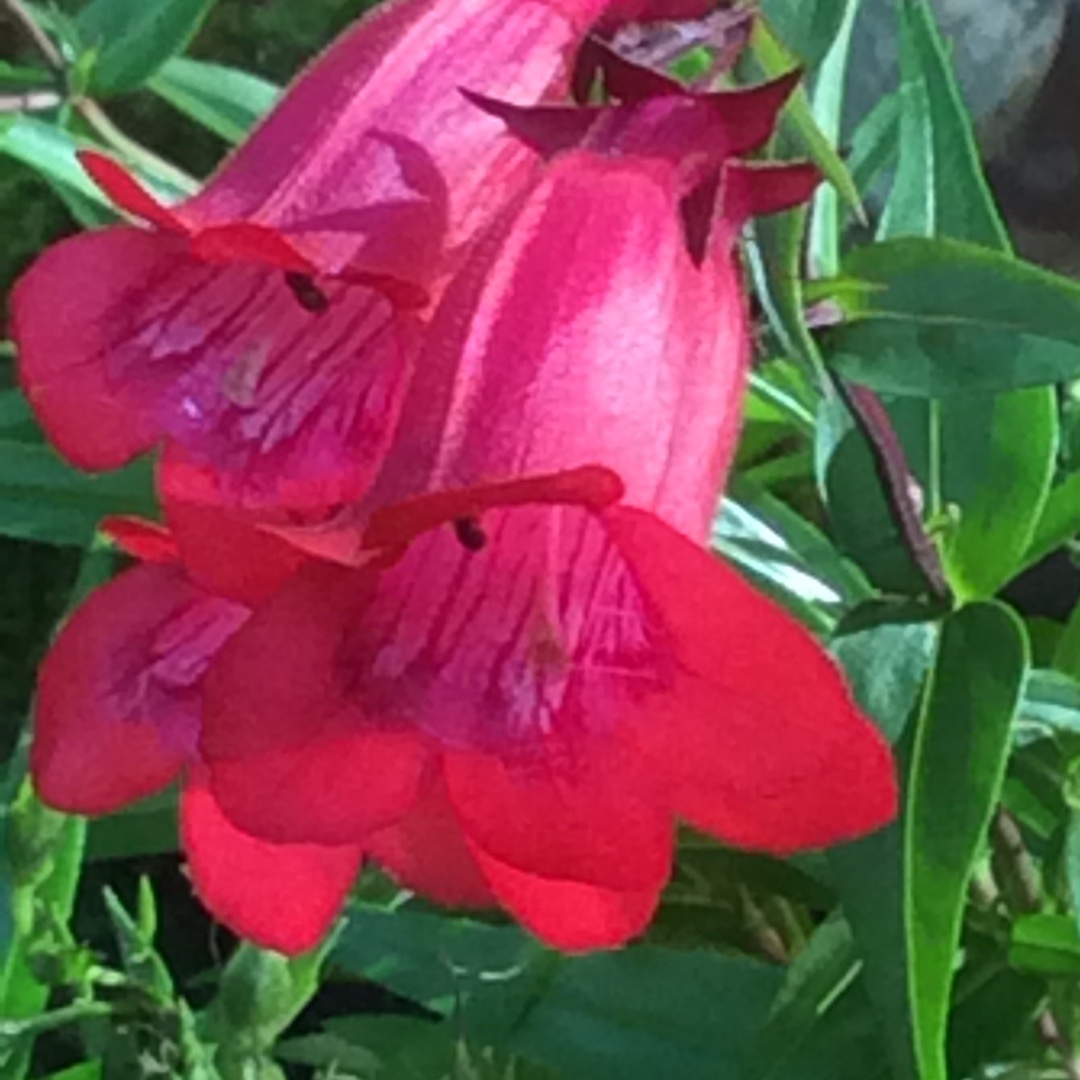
119, 710
253, 330
555, 669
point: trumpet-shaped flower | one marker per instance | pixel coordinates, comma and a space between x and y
256, 329
555, 669
118, 715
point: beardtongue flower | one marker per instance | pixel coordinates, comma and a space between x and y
555, 669
118, 713
252, 329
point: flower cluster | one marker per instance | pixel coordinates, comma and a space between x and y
445, 372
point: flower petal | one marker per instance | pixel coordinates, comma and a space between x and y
125, 338
759, 739
126, 192
575, 812
426, 851
569, 915
292, 754
118, 701
382, 129
63, 317
229, 555
634, 347
281, 896
333, 789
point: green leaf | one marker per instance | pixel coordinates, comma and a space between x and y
1051, 705
43, 498
1059, 521
226, 100
1045, 944
434, 960
939, 186
940, 190
648, 1012
964, 731
828, 102
775, 59
996, 452
132, 38
786, 556
886, 666
50, 151
806, 27
943, 317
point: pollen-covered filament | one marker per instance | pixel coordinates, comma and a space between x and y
542, 630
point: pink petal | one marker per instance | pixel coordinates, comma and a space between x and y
125, 339
118, 703
634, 362
759, 739
64, 314
567, 914
281, 896
378, 123
426, 851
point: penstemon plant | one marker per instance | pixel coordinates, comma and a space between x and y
540, 499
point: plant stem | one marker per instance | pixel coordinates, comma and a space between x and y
38, 38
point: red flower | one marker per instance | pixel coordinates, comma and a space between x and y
252, 328
118, 715
555, 669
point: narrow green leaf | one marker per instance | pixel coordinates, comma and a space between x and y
1059, 521
808, 28
1045, 944
43, 498
786, 556
131, 39
964, 732
1006, 460
828, 102
226, 100
775, 60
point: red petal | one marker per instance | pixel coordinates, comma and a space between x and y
144, 540
282, 682
567, 914
426, 851
229, 555
65, 310
759, 740
293, 756
118, 697
281, 896
333, 789
571, 811
126, 192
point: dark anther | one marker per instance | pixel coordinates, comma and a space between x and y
470, 535
308, 295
